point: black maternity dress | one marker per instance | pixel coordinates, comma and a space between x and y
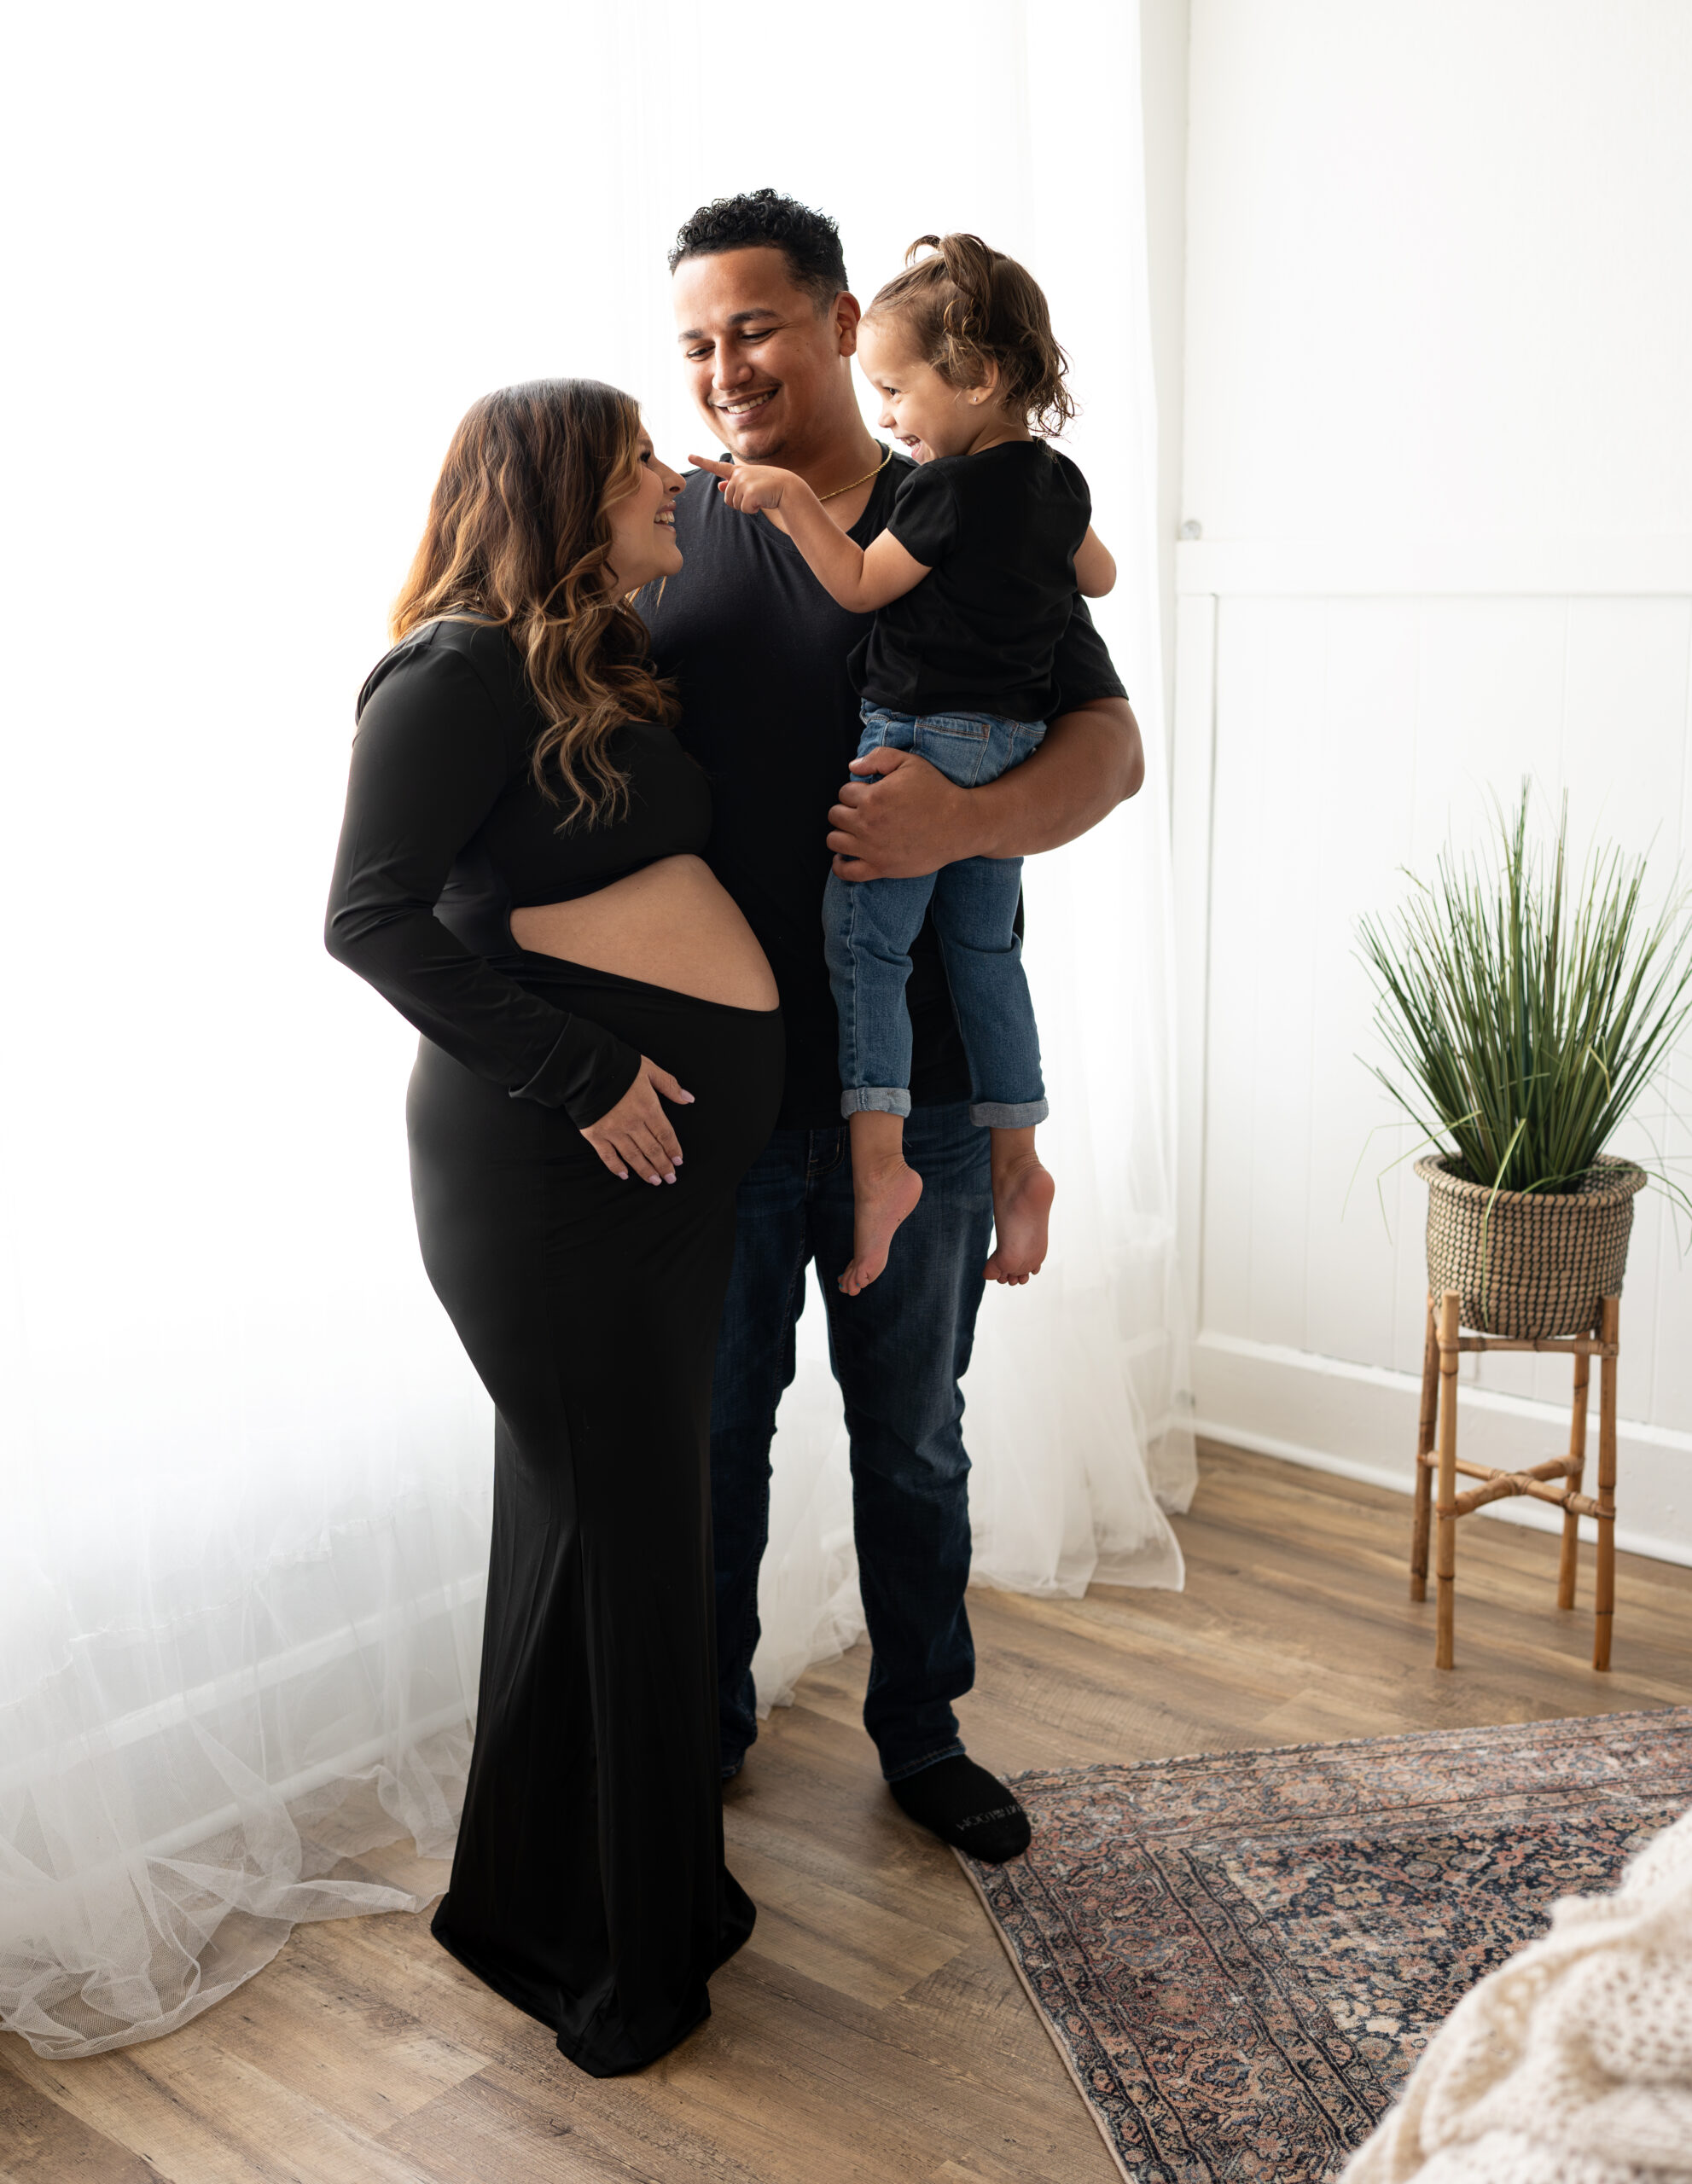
589, 1886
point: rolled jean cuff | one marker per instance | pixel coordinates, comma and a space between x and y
876, 1099
1003, 1114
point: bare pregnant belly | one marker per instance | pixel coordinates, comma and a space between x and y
670, 924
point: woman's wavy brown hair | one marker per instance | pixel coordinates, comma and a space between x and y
518, 535
968, 305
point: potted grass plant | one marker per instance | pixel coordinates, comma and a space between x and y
1525, 1018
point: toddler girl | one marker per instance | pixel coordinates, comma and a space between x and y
972, 584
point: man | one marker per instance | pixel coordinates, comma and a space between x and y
767, 329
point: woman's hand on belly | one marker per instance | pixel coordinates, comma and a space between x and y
637, 1133
670, 924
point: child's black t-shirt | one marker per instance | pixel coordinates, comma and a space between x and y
998, 532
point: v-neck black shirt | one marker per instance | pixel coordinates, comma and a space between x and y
760, 651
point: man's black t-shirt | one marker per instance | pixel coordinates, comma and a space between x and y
759, 653
998, 532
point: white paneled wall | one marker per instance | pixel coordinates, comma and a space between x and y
1348, 734
1437, 441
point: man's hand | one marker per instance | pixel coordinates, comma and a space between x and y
913, 820
747, 487
898, 817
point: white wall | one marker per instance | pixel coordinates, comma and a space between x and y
1438, 435
1166, 30
1438, 281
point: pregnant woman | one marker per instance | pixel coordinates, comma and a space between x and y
520, 875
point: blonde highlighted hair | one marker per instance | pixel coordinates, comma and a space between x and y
967, 306
518, 535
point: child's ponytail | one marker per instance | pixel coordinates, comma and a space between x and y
967, 306
966, 263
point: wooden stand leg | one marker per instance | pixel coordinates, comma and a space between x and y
1606, 1585
1424, 1448
1577, 1451
1445, 1649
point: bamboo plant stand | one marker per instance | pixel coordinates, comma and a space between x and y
1557, 1481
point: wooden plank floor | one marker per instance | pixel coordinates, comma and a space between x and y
873, 2030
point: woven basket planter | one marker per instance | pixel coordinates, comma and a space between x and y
1529, 1264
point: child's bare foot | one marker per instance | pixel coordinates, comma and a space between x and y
1022, 1195
882, 1196
884, 1193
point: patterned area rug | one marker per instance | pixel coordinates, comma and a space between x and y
1240, 1956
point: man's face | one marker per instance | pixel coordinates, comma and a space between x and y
763, 362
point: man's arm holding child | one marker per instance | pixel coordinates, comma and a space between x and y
913, 820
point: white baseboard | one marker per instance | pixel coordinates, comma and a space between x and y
1359, 1421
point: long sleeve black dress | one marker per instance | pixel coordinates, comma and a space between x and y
589, 1886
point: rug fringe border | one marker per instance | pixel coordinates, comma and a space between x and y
1064, 2056
1342, 1743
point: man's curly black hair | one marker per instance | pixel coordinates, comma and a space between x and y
809, 241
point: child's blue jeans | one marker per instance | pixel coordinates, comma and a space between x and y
868, 925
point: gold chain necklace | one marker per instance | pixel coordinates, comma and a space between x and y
887, 457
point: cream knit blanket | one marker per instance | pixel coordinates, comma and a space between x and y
1571, 2064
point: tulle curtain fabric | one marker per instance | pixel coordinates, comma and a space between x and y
245, 1466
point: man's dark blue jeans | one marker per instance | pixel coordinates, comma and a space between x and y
897, 1350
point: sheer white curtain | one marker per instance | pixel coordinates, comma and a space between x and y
258, 266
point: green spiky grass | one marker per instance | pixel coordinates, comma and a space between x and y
1524, 1024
